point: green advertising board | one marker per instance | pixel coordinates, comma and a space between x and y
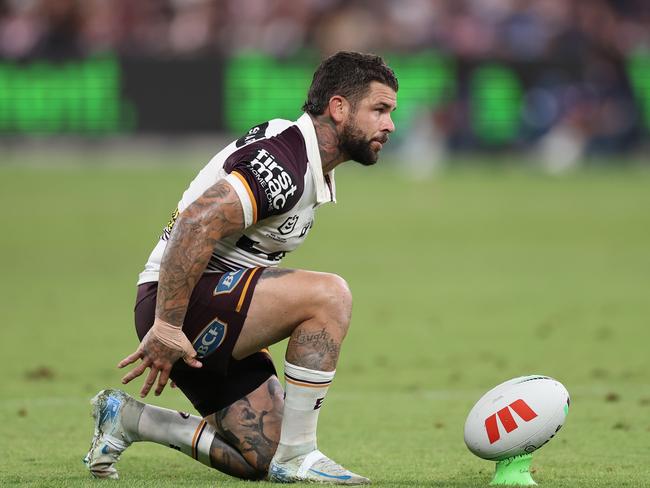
70, 97
89, 96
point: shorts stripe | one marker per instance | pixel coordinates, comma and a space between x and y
243, 293
197, 437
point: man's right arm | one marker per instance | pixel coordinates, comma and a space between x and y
216, 214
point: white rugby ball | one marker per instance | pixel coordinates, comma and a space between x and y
516, 417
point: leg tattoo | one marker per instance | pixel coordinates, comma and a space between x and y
313, 349
229, 460
252, 426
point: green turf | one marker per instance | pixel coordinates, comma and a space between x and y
460, 283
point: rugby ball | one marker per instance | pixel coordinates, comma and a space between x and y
516, 417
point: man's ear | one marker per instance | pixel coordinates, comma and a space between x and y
339, 108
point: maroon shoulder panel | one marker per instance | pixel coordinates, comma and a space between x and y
274, 169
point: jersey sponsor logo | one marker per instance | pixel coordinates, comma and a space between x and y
288, 225
210, 338
521, 408
228, 282
273, 178
254, 134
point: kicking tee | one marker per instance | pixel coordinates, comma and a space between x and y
277, 173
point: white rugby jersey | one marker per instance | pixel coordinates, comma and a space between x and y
277, 173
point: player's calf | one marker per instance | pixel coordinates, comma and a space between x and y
316, 342
252, 424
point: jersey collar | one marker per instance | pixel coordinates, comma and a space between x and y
324, 192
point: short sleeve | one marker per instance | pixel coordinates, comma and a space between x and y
246, 197
266, 182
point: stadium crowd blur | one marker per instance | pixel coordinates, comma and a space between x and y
597, 105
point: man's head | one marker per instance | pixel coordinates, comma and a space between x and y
358, 92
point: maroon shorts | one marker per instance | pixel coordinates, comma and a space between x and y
214, 319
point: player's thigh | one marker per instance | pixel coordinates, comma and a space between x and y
252, 424
284, 299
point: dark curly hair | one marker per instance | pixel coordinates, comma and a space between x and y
348, 74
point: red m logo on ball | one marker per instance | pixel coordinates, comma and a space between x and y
520, 407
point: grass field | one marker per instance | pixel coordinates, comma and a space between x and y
460, 283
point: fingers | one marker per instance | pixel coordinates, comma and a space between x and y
159, 357
162, 381
151, 377
192, 361
148, 383
190, 356
131, 358
137, 371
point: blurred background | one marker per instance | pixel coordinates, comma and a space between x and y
561, 81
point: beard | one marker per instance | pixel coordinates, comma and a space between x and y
356, 146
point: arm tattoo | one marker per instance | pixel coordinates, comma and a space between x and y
313, 349
214, 215
328, 142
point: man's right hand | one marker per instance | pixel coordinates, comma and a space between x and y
163, 345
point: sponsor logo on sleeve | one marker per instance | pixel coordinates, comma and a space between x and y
255, 133
210, 338
273, 178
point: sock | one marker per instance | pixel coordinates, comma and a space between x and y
305, 391
181, 431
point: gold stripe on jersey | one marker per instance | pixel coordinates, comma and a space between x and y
250, 193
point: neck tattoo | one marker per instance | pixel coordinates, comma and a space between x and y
328, 142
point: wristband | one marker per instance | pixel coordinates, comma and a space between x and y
173, 337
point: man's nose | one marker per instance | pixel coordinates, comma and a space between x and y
388, 125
